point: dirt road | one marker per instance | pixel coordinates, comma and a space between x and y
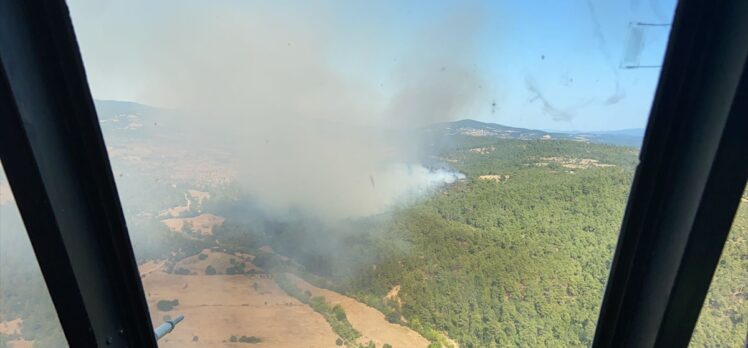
367, 320
217, 307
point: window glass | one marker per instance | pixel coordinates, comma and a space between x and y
27, 315
359, 173
723, 321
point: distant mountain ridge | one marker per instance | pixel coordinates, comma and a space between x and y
126, 117
133, 120
116, 107
468, 127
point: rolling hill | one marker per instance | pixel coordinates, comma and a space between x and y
468, 127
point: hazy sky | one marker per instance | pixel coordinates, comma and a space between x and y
536, 64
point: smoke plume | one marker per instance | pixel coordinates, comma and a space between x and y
313, 111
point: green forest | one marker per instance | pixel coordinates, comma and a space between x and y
519, 261
516, 262
517, 254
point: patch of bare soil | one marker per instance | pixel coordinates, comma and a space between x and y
11, 327
202, 224
199, 196
495, 178
176, 211
573, 163
189, 196
149, 267
483, 150
6, 196
20, 344
220, 261
367, 320
392, 295
217, 307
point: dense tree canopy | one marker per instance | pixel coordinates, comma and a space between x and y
516, 254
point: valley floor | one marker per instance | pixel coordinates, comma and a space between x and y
219, 306
369, 321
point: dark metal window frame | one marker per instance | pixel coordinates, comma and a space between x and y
685, 192
687, 187
57, 165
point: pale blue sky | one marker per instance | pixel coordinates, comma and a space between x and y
535, 64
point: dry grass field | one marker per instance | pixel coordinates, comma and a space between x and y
219, 306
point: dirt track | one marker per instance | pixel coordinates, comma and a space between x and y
367, 320
219, 306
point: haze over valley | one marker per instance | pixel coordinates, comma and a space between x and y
380, 174
486, 236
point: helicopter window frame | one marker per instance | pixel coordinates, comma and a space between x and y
686, 190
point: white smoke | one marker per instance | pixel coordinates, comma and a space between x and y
306, 104
402, 184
